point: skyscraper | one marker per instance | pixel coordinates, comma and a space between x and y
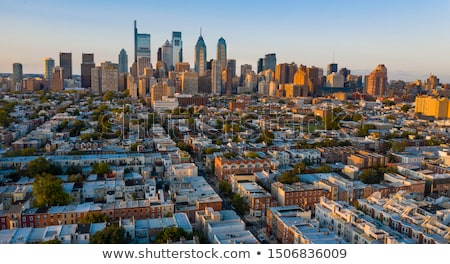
58, 79
177, 48
123, 61
216, 78
200, 56
141, 51
65, 61
17, 73
270, 61
49, 63
221, 55
166, 55
260, 65
87, 63
332, 67
377, 81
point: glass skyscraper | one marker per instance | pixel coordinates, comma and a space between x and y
49, 64
221, 55
200, 56
177, 48
123, 61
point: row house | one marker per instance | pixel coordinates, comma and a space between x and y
301, 194
404, 216
194, 194
365, 159
227, 166
72, 214
336, 154
256, 197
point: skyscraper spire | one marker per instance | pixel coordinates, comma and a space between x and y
200, 31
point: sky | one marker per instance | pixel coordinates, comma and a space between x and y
410, 37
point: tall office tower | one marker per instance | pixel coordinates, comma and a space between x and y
65, 61
432, 82
200, 56
315, 75
177, 48
161, 70
377, 81
281, 73
227, 80
221, 54
182, 67
58, 79
232, 64
142, 53
167, 55
260, 65
332, 67
216, 78
245, 68
17, 73
123, 61
344, 72
335, 80
105, 78
270, 61
49, 63
189, 83
291, 70
87, 63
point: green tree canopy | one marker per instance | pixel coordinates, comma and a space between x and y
370, 176
108, 96
225, 187
239, 204
101, 168
110, 235
42, 165
48, 191
288, 177
173, 233
93, 217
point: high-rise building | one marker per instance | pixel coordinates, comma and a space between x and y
332, 67
245, 68
105, 77
182, 67
260, 65
270, 61
177, 48
189, 82
49, 63
377, 81
58, 79
200, 56
65, 61
17, 73
123, 61
87, 63
167, 55
142, 54
221, 54
216, 78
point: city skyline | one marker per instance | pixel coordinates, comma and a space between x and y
408, 39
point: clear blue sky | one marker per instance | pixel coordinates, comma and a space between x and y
411, 38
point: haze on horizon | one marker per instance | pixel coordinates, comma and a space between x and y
409, 37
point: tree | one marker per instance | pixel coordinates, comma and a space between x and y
173, 233
370, 176
288, 177
251, 154
405, 108
399, 146
73, 170
300, 167
225, 187
108, 96
364, 130
93, 217
101, 168
42, 165
210, 150
267, 136
239, 203
109, 235
48, 191
185, 147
